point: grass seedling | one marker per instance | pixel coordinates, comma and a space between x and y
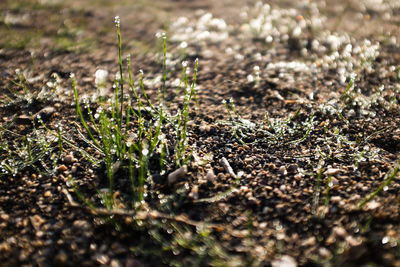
129, 133
317, 190
389, 178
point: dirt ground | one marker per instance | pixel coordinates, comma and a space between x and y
279, 185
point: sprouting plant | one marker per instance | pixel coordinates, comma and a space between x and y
272, 131
130, 130
389, 178
317, 190
27, 151
255, 77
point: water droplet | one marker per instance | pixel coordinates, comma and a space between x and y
385, 240
385, 188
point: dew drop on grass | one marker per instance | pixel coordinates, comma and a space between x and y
170, 231
385, 188
385, 240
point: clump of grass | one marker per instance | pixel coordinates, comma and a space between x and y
139, 138
130, 130
277, 132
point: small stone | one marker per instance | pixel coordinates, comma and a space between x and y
210, 176
46, 112
36, 221
5, 247
324, 253
194, 193
47, 194
352, 241
332, 171
204, 128
254, 201
266, 210
334, 181
177, 174
336, 199
115, 263
68, 159
23, 120
4, 217
283, 170
282, 188
309, 242
62, 168
81, 224
339, 231
60, 259
74, 169
292, 168
372, 205
284, 261
101, 258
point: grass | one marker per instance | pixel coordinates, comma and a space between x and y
112, 128
390, 176
141, 136
130, 131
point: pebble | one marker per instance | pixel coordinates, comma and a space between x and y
5, 247
336, 199
309, 242
210, 176
101, 258
373, 205
36, 221
4, 217
332, 171
352, 241
68, 159
47, 194
339, 231
74, 169
62, 168
46, 112
81, 224
23, 120
266, 210
283, 170
284, 261
282, 188
292, 168
60, 259
177, 174
115, 263
254, 201
324, 253
205, 128
194, 193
